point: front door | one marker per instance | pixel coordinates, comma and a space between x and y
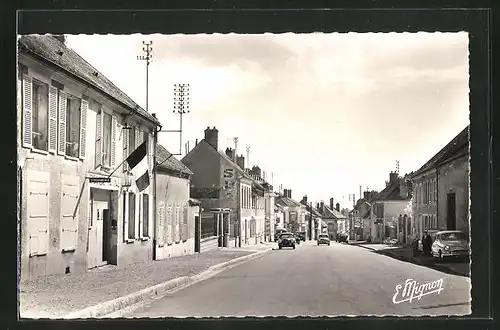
97, 245
451, 222
197, 233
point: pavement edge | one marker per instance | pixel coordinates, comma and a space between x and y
416, 261
117, 304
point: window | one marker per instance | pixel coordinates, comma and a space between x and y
131, 215
131, 140
145, 215
40, 115
106, 139
72, 126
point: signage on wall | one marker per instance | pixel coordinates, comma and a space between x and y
228, 173
99, 180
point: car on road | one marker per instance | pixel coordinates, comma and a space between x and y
342, 238
323, 239
450, 243
286, 239
278, 233
301, 235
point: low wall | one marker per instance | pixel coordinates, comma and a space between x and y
209, 243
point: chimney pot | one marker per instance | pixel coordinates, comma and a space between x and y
337, 207
331, 203
212, 137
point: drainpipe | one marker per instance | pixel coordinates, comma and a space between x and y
155, 234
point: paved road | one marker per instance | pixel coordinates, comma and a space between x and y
312, 280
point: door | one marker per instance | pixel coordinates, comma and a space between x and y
197, 233
106, 234
451, 222
100, 209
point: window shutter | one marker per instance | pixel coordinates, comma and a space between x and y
137, 138
125, 216
27, 111
161, 224
125, 147
98, 139
61, 149
52, 119
113, 141
83, 128
150, 153
185, 224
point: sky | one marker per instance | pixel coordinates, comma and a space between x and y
324, 113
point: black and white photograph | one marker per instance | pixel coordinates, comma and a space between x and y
232, 175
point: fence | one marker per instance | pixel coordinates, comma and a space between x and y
208, 225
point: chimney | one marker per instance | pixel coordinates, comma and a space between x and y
240, 161
289, 193
230, 153
304, 200
322, 204
393, 177
212, 137
196, 142
331, 203
337, 207
256, 170
366, 195
60, 37
317, 207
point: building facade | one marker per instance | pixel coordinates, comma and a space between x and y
74, 125
176, 213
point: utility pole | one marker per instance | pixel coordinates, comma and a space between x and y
235, 140
397, 166
181, 107
248, 157
147, 49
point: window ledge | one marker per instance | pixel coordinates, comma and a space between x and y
38, 254
74, 159
68, 250
39, 151
130, 241
145, 238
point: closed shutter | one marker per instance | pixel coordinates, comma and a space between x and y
169, 225
125, 147
37, 210
113, 141
161, 224
177, 223
151, 151
98, 139
138, 137
27, 111
69, 213
52, 119
61, 148
125, 216
83, 128
185, 223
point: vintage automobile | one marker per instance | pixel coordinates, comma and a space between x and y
278, 232
342, 238
323, 239
450, 243
286, 239
302, 235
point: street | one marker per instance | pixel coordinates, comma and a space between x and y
311, 280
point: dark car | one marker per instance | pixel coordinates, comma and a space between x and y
342, 238
301, 235
323, 239
286, 240
278, 233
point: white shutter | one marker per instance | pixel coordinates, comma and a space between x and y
61, 148
27, 111
83, 128
169, 225
160, 235
125, 216
69, 213
113, 141
52, 119
38, 212
150, 153
137, 215
137, 138
98, 139
125, 147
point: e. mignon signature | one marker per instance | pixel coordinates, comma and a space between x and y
413, 290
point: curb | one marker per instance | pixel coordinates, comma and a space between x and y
117, 304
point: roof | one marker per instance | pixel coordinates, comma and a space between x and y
367, 213
165, 160
49, 49
391, 192
333, 213
455, 145
285, 201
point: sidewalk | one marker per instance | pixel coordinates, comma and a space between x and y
55, 296
405, 253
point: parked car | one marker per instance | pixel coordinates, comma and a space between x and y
302, 235
278, 233
286, 239
342, 237
450, 243
323, 239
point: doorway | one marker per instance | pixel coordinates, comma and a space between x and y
451, 215
99, 237
197, 233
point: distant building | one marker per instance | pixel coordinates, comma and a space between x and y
293, 211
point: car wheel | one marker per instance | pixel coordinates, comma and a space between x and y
279, 246
328, 243
294, 247
318, 244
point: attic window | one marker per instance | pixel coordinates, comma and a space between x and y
60, 52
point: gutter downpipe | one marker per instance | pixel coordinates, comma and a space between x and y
155, 229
